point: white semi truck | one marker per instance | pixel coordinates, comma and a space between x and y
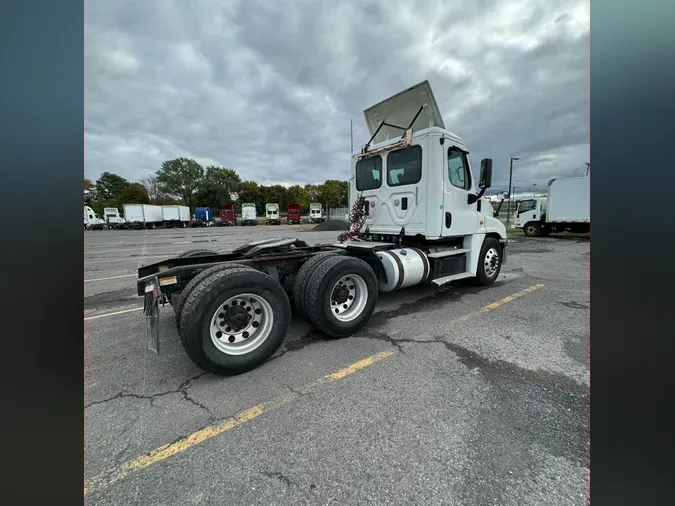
249, 214
272, 214
418, 219
315, 213
113, 218
566, 208
92, 221
143, 215
176, 216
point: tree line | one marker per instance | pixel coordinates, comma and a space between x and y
184, 181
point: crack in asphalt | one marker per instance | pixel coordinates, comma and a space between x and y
182, 389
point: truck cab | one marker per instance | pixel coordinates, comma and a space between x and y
272, 214
415, 175
248, 214
113, 217
315, 212
92, 221
293, 214
530, 210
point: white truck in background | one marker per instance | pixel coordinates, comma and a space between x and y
176, 216
272, 214
566, 208
113, 218
315, 213
143, 215
249, 214
92, 221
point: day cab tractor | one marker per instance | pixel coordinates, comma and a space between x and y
272, 214
416, 217
249, 214
228, 216
293, 214
316, 213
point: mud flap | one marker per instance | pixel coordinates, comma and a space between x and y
151, 310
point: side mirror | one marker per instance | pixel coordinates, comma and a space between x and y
485, 180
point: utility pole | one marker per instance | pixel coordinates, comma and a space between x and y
508, 209
588, 167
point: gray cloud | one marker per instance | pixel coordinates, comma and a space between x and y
268, 88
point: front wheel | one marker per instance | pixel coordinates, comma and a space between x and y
532, 229
234, 320
489, 262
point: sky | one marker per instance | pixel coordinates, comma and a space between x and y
269, 88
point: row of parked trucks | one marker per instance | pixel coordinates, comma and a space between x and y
151, 216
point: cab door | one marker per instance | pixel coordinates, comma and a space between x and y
459, 217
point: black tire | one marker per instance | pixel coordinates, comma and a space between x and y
303, 276
318, 303
482, 278
532, 229
197, 253
178, 298
205, 300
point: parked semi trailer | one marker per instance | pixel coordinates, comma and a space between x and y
315, 213
249, 214
415, 219
143, 215
566, 208
272, 214
176, 216
293, 214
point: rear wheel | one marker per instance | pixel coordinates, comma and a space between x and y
341, 295
175, 296
234, 320
303, 277
178, 302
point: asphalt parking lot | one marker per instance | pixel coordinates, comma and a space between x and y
452, 396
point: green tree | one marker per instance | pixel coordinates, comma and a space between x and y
250, 191
181, 177
333, 193
217, 187
297, 194
88, 185
155, 193
135, 193
110, 186
275, 194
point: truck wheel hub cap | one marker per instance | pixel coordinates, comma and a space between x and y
348, 298
491, 262
241, 324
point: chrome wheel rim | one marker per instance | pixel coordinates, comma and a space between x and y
348, 297
241, 324
491, 262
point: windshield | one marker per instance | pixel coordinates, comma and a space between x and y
527, 205
369, 173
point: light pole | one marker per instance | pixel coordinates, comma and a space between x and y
534, 190
508, 209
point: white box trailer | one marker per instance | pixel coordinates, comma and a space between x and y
176, 216
143, 215
566, 208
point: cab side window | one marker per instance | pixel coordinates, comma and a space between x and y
458, 169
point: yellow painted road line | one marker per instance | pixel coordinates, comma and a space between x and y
110, 277
499, 303
163, 452
112, 314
